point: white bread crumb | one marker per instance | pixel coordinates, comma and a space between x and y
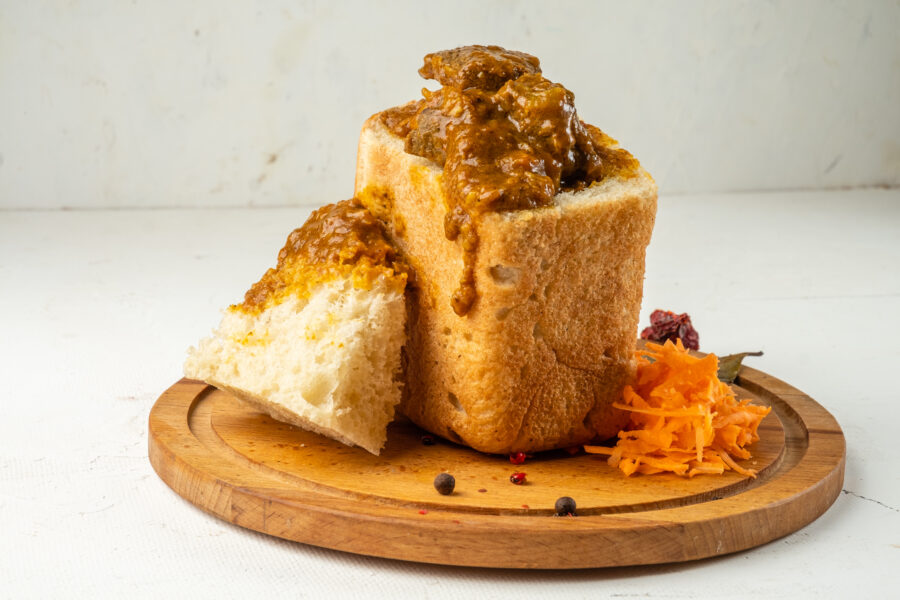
329, 363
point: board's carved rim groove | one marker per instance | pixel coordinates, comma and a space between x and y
252, 503
736, 487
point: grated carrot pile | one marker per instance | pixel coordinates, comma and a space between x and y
683, 419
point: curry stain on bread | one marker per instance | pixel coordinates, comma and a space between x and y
342, 239
547, 218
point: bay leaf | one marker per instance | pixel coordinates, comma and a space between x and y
730, 365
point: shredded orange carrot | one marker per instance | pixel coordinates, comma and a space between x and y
683, 419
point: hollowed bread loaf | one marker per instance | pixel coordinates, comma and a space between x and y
547, 346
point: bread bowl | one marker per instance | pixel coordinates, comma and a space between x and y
524, 309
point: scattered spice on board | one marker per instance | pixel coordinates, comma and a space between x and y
683, 419
517, 478
444, 483
517, 458
565, 507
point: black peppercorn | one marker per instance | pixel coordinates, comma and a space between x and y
565, 506
444, 484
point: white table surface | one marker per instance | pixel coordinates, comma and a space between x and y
97, 308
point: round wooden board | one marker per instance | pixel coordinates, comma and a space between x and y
251, 470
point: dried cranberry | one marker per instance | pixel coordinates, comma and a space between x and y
517, 478
667, 326
517, 458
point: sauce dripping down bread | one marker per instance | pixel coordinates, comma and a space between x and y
507, 138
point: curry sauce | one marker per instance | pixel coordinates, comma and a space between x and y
342, 239
507, 138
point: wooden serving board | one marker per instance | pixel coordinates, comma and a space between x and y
251, 470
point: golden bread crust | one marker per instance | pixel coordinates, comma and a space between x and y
548, 345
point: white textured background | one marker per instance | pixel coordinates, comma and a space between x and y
204, 103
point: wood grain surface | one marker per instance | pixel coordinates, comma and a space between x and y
251, 470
